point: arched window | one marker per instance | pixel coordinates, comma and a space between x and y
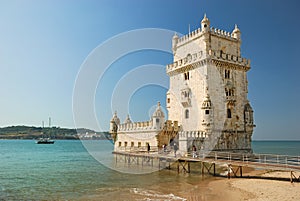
227, 74
228, 113
187, 114
186, 76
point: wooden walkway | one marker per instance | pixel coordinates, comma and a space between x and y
209, 160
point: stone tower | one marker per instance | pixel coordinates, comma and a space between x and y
208, 90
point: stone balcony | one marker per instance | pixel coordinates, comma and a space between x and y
212, 55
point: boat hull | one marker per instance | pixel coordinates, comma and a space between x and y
44, 141
52, 142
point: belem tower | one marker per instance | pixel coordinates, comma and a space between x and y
207, 99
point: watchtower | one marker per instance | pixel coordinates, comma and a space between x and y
208, 90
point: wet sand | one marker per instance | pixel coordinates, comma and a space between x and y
258, 189
196, 188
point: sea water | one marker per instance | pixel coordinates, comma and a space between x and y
84, 170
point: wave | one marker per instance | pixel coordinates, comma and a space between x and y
151, 195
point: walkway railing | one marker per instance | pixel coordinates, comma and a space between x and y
282, 161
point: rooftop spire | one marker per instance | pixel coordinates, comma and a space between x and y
205, 19
205, 24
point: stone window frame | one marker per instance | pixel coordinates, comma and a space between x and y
187, 113
229, 113
229, 92
186, 75
227, 74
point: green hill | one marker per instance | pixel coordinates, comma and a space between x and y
31, 132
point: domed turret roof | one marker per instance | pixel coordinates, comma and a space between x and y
248, 107
115, 118
127, 120
206, 103
236, 29
205, 19
175, 36
158, 111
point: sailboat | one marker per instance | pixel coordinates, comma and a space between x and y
44, 140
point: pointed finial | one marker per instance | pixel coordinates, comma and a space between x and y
236, 28
205, 19
158, 103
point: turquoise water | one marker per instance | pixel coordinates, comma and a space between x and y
66, 171
277, 147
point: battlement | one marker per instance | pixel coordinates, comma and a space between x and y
190, 36
219, 55
198, 33
137, 126
200, 56
192, 134
222, 33
189, 59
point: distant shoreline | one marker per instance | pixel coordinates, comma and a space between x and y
56, 133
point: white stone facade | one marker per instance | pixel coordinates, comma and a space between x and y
135, 136
208, 90
207, 96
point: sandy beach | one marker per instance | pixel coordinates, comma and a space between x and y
214, 189
236, 189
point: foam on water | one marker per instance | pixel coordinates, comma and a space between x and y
154, 195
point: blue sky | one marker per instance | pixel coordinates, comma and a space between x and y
43, 45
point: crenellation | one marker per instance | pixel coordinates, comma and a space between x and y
196, 57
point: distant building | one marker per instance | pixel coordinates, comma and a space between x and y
207, 100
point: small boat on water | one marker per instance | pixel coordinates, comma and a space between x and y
44, 141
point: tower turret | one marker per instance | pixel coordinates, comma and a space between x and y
113, 128
236, 33
158, 117
205, 24
207, 113
174, 42
127, 120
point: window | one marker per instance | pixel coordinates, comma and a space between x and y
186, 76
139, 144
227, 74
187, 114
157, 120
125, 144
186, 94
168, 100
132, 144
228, 113
206, 111
120, 144
229, 92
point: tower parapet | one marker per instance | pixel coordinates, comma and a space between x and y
199, 59
234, 36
